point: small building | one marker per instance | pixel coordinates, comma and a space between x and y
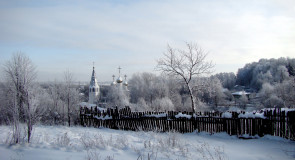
239, 94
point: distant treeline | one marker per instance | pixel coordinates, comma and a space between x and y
271, 71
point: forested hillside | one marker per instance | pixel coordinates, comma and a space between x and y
272, 71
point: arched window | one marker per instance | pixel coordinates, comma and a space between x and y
93, 89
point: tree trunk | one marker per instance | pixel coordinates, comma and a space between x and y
192, 97
16, 131
29, 119
30, 128
69, 120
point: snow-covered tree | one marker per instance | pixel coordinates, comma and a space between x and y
215, 92
55, 111
117, 96
20, 74
70, 96
228, 80
148, 86
243, 100
141, 105
286, 92
186, 65
162, 104
272, 71
278, 95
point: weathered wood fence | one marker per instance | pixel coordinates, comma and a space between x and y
274, 122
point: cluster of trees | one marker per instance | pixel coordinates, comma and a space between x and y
279, 94
228, 80
181, 87
273, 79
272, 71
24, 101
159, 93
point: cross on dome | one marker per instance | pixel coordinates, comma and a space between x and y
119, 71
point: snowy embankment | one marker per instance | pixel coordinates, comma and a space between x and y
59, 142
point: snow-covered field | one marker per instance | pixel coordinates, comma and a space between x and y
59, 142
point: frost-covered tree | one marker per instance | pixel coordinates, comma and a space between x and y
37, 98
55, 110
243, 100
148, 86
20, 74
177, 101
228, 80
117, 96
286, 92
141, 105
272, 71
5, 102
185, 64
214, 92
278, 95
162, 104
70, 96
210, 92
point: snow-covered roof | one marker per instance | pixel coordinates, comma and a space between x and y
239, 93
93, 82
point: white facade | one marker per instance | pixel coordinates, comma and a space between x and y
94, 91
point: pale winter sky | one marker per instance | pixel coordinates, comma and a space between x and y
71, 34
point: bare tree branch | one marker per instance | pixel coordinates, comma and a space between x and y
186, 64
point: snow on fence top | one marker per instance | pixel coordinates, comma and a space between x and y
126, 112
180, 115
227, 115
252, 115
286, 110
277, 122
103, 117
157, 115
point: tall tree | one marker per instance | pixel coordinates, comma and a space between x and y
55, 111
20, 74
186, 64
70, 96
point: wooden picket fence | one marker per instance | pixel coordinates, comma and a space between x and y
275, 122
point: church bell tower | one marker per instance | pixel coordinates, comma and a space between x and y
94, 92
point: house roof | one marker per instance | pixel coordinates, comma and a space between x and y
239, 93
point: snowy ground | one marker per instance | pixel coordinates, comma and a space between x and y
81, 143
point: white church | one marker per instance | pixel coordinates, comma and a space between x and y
94, 89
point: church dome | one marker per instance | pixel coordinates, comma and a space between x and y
125, 83
119, 80
113, 83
